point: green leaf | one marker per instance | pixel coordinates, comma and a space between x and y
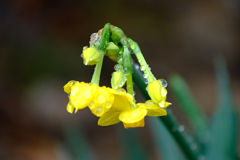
164, 141
77, 143
168, 120
131, 143
190, 106
222, 145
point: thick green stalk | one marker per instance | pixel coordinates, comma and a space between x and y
170, 123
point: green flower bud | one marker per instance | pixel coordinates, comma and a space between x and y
118, 80
117, 34
112, 49
90, 56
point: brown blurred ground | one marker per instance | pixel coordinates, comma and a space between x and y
40, 46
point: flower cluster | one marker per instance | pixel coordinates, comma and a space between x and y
114, 105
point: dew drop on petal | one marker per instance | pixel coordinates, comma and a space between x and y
98, 110
162, 104
149, 102
87, 94
101, 99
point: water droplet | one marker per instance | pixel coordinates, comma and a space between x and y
134, 115
101, 99
94, 35
149, 102
140, 61
82, 55
133, 46
142, 68
112, 97
136, 66
145, 75
121, 90
98, 110
91, 105
164, 82
162, 104
181, 128
86, 64
149, 68
116, 67
87, 94
163, 91
108, 103
146, 82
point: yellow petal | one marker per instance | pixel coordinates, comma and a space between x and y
101, 102
133, 115
109, 118
140, 123
70, 108
82, 94
154, 109
67, 88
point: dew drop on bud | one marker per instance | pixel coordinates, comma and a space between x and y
164, 82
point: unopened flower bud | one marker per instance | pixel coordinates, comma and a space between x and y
117, 34
157, 92
118, 80
112, 49
90, 56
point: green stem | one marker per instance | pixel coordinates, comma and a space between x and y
168, 120
97, 70
143, 64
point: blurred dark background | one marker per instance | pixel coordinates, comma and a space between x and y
40, 46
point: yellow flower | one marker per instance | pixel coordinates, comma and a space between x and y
80, 94
101, 102
158, 93
131, 118
90, 56
122, 101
